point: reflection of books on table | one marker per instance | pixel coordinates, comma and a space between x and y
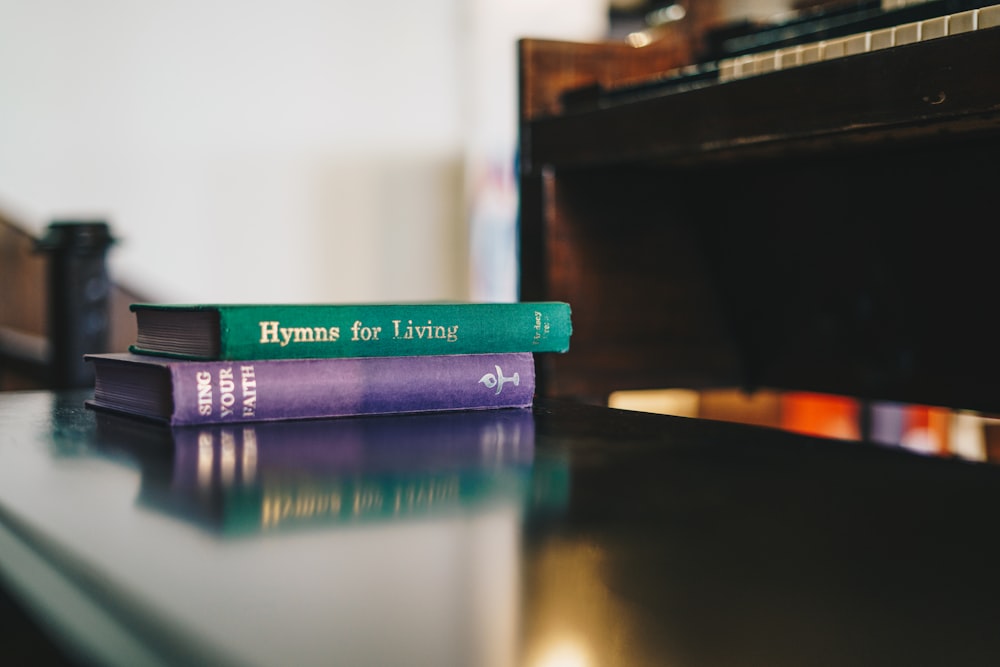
195, 392
431, 405
268, 331
294, 474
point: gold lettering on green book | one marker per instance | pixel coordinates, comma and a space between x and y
429, 331
272, 332
362, 332
542, 328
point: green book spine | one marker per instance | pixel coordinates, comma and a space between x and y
289, 331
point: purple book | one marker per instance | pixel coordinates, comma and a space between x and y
207, 392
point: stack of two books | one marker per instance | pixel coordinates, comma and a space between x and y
219, 363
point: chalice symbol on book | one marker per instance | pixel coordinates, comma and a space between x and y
499, 380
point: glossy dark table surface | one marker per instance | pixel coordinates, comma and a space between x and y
565, 535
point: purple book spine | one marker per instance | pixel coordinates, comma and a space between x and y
264, 390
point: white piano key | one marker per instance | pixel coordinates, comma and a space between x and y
908, 33
809, 53
832, 48
962, 22
989, 17
746, 66
881, 39
856, 44
764, 62
788, 57
727, 70
933, 28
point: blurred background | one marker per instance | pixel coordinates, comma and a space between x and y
312, 150
309, 150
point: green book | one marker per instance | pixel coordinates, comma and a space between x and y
312, 330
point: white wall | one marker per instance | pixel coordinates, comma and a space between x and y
299, 150
258, 151
489, 93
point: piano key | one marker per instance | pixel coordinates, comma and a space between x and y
963, 22
833, 48
908, 33
856, 44
934, 28
757, 63
788, 57
989, 17
809, 53
882, 39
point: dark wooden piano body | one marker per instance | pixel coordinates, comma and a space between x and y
828, 227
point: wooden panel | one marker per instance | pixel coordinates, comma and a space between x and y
548, 68
620, 248
23, 306
23, 280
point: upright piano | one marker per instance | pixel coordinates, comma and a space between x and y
806, 205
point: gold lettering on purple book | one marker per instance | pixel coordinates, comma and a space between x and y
204, 380
227, 387
248, 382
